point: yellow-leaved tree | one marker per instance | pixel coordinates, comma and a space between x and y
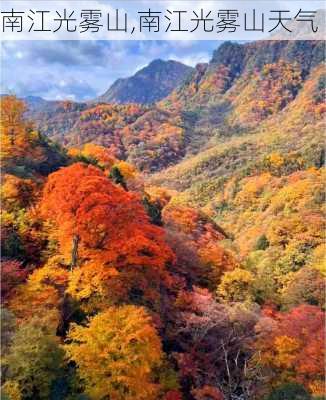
116, 353
236, 285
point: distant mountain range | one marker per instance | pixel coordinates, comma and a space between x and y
149, 85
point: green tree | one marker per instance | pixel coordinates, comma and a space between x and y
289, 391
34, 361
153, 211
117, 177
262, 243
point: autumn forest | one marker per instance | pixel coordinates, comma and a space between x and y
171, 249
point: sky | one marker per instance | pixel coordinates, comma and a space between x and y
82, 70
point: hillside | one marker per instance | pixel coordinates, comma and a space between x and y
170, 251
296, 128
149, 85
273, 123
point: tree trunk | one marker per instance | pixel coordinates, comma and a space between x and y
74, 252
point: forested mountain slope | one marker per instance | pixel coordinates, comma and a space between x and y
173, 251
243, 86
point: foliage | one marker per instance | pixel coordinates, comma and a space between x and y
12, 274
293, 348
153, 210
214, 342
94, 218
94, 154
117, 177
24, 235
127, 170
207, 391
10, 390
119, 346
89, 285
304, 286
290, 391
266, 92
236, 285
262, 243
154, 140
195, 226
24, 151
16, 192
8, 327
41, 295
196, 240
33, 362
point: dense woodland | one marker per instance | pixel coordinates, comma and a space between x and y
172, 251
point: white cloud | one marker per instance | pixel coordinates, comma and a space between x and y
192, 59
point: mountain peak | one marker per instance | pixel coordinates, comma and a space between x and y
148, 85
157, 61
160, 62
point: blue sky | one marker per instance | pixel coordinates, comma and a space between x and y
81, 70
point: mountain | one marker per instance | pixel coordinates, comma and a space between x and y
249, 102
228, 261
227, 104
150, 84
34, 101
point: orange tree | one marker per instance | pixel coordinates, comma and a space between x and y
95, 220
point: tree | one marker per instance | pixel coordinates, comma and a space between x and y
16, 193
23, 149
89, 285
153, 211
41, 295
173, 395
14, 136
24, 235
305, 286
207, 392
8, 327
115, 354
292, 348
292, 391
10, 391
12, 274
262, 243
128, 171
195, 238
236, 285
100, 153
34, 361
117, 177
318, 259
98, 221
93, 154
213, 342
11, 243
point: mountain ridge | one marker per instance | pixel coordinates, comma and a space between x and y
241, 87
148, 85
